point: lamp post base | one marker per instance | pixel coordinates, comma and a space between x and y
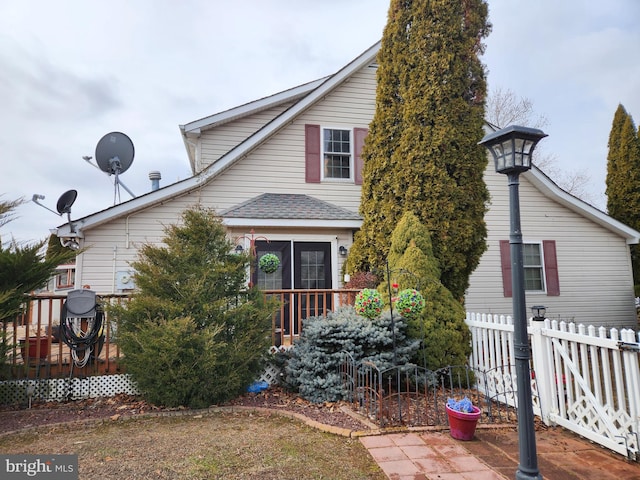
520, 475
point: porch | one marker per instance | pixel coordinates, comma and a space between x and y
36, 351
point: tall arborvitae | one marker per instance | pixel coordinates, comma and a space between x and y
613, 180
623, 177
421, 152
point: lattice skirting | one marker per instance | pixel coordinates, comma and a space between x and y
59, 389
19, 392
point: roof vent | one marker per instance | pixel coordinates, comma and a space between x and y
155, 177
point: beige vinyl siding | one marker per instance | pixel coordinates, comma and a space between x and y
219, 140
277, 166
113, 246
594, 266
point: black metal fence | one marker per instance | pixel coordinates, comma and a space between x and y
409, 395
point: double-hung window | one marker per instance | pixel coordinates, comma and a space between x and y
540, 267
333, 154
337, 154
533, 267
65, 278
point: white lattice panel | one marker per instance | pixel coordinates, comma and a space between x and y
59, 389
271, 375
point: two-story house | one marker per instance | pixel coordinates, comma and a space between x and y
287, 168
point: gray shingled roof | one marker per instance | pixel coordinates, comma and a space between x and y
289, 206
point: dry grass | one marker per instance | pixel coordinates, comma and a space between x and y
218, 446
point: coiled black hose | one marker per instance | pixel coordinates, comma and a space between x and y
76, 339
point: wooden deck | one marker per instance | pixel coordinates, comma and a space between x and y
43, 317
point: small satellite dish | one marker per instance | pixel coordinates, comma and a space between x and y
66, 201
114, 153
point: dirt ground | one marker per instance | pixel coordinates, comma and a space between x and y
219, 445
16, 418
132, 433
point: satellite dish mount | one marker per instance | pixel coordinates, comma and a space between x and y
64, 204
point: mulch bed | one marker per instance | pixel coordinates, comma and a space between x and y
13, 418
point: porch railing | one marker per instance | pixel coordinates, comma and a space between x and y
34, 348
298, 305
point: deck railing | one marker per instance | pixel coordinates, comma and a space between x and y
34, 348
297, 305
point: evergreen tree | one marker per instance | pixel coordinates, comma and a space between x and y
23, 268
313, 366
191, 334
421, 152
444, 336
614, 179
623, 177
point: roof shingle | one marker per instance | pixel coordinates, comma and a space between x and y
288, 206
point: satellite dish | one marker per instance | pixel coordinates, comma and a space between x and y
66, 201
114, 153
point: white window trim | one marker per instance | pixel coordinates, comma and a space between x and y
352, 153
544, 273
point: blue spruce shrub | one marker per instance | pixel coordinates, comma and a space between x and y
313, 367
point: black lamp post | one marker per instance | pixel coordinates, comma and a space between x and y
511, 149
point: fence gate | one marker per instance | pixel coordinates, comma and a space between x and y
591, 385
585, 379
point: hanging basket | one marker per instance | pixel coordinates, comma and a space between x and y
369, 303
409, 303
269, 263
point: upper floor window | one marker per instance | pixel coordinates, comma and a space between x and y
336, 148
333, 154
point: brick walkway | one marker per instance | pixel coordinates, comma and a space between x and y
493, 455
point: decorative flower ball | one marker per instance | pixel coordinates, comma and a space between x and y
369, 303
409, 303
269, 262
465, 405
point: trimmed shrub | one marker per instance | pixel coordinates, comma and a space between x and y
192, 335
313, 367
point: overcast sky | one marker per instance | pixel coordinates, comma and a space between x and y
72, 71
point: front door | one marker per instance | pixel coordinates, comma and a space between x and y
278, 280
309, 263
312, 270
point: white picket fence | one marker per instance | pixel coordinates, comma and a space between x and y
584, 378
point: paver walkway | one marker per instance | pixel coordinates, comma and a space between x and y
493, 454
422, 456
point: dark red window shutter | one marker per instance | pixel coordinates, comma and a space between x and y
359, 134
312, 153
551, 268
505, 263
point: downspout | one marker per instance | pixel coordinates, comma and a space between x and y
113, 279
